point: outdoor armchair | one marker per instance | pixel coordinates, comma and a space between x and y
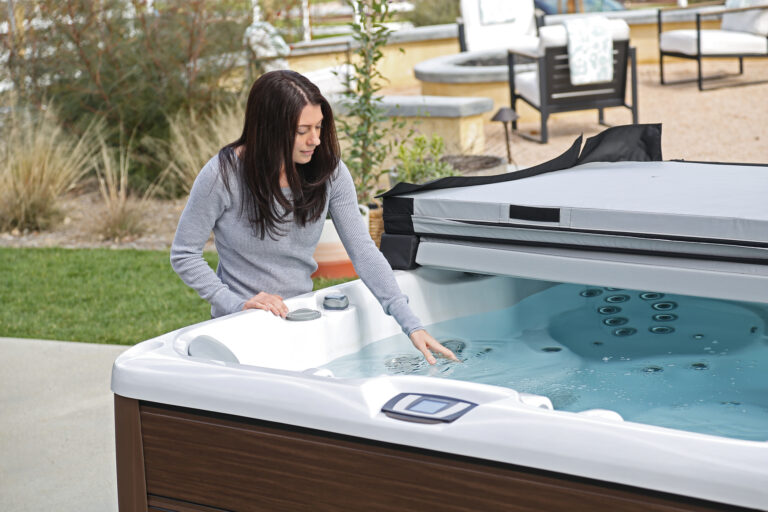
743, 33
549, 88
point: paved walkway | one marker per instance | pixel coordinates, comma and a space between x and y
56, 426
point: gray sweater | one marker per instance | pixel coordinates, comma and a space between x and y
249, 265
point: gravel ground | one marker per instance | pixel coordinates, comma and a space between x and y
723, 125
79, 227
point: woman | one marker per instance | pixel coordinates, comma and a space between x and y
265, 196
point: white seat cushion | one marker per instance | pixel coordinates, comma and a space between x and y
527, 86
713, 42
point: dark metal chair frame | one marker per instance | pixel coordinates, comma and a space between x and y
557, 94
699, 57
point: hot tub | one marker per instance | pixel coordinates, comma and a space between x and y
270, 414
277, 431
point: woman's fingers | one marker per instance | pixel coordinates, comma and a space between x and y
268, 302
272, 308
428, 355
278, 308
426, 344
444, 351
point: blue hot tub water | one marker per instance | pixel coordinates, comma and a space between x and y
668, 360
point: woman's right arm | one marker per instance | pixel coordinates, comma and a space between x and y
207, 201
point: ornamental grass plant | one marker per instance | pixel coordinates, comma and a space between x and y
123, 214
41, 161
133, 64
195, 139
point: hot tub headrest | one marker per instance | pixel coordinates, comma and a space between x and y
208, 347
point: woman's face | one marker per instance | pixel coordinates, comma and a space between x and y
307, 134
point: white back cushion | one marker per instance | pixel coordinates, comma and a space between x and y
490, 24
754, 22
555, 35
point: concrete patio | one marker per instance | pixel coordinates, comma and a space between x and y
56, 426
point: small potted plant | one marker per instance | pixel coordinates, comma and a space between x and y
420, 160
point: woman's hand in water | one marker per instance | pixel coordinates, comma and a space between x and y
267, 302
426, 344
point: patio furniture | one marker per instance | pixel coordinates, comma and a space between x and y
549, 88
743, 33
492, 24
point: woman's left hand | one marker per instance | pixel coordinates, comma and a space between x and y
267, 302
426, 344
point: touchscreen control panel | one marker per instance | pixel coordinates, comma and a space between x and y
424, 408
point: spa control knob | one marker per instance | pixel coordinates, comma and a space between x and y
335, 302
303, 315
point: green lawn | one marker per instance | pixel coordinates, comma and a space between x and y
96, 295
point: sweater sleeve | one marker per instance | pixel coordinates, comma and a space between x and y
207, 201
368, 261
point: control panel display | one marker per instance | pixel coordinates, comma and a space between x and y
424, 408
428, 406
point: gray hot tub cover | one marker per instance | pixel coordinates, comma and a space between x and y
617, 196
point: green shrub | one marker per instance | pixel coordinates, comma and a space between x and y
419, 160
131, 66
434, 12
279, 14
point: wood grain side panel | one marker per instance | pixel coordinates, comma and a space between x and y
129, 453
159, 504
249, 465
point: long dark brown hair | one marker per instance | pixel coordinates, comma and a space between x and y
269, 133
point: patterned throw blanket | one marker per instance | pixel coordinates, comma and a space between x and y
590, 50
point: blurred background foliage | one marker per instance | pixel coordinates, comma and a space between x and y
84, 77
152, 71
133, 64
434, 12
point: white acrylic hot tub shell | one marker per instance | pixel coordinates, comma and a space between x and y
506, 426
